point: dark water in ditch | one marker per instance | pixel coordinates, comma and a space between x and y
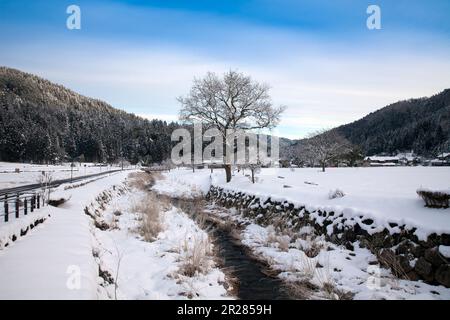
252, 280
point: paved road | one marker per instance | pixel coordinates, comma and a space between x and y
56, 183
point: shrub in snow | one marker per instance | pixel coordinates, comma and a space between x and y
337, 193
151, 224
196, 256
435, 199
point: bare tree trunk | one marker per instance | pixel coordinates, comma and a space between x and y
323, 166
253, 176
228, 172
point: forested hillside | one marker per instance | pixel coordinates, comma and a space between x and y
422, 125
44, 122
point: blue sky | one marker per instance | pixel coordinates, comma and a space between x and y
318, 56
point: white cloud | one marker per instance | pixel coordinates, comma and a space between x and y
322, 84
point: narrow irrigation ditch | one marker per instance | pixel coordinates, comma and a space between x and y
252, 279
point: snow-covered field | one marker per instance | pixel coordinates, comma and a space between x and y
30, 173
383, 194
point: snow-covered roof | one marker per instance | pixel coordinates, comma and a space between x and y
213, 161
381, 158
444, 155
386, 164
437, 161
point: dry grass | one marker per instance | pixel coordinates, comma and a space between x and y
388, 259
435, 199
143, 180
196, 256
149, 210
308, 268
114, 225
300, 290
315, 246
282, 242
316, 283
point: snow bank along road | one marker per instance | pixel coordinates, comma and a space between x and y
56, 183
46, 263
19, 174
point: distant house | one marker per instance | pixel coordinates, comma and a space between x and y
381, 161
444, 156
408, 158
212, 163
442, 160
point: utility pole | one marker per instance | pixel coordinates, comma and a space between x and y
121, 146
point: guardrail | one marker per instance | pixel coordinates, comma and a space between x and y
13, 205
53, 184
156, 169
26, 199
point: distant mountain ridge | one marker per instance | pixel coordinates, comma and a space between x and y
41, 121
421, 125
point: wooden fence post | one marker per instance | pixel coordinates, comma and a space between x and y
25, 206
6, 208
38, 201
33, 200
17, 207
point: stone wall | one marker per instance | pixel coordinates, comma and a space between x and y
396, 246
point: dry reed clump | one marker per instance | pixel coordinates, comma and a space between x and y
282, 242
149, 210
300, 289
435, 199
196, 256
315, 283
314, 247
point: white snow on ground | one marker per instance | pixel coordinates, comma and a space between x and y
13, 228
30, 173
346, 270
60, 258
40, 265
356, 272
382, 194
182, 183
150, 270
385, 194
445, 251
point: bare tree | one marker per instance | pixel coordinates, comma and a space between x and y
254, 167
45, 180
324, 146
233, 102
